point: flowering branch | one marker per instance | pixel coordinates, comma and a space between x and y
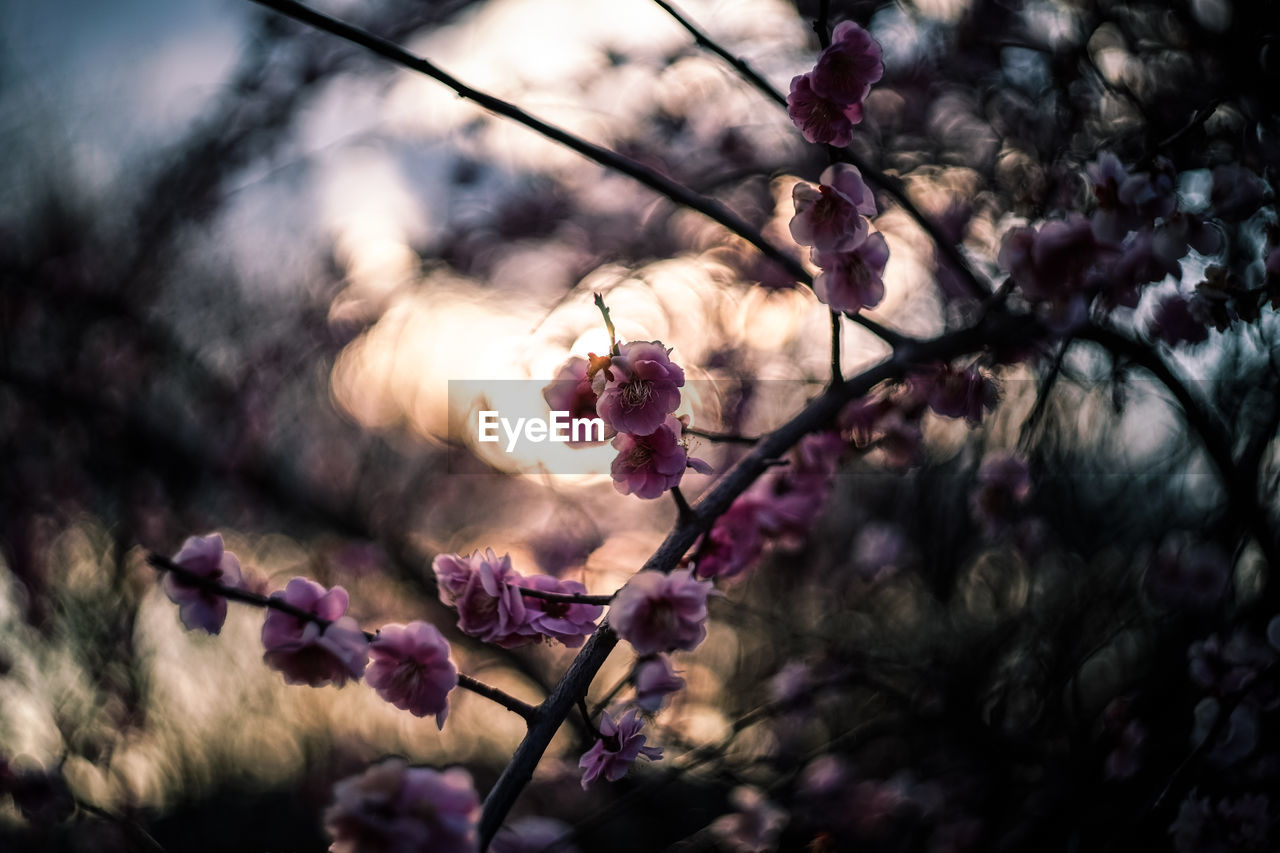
890, 185
231, 593
995, 328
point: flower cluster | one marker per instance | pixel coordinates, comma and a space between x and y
826, 103
485, 589
831, 218
634, 390
780, 507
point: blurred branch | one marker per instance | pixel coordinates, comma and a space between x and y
605, 157
253, 599
1239, 483
726, 437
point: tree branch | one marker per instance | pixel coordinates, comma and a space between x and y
231, 593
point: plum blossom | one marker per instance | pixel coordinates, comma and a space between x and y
204, 557
956, 392
820, 119
533, 835
847, 68
1174, 322
395, 808
489, 607
755, 824
826, 102
655, 680
789, 498
571, 392
648, 465
1049, 264
1186, 573
734, 542
639, 388
853, 280
619, 745
658, 612
410, 668
831, 216
307, 652
568, 622
1004, 486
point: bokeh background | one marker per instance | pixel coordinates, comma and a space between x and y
240, 262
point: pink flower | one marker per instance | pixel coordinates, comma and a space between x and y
1049, 265
754, 826
820, 119
735, 541
567, 622
648, 465
654, 681
534, 835
489, 606
306, 652
853, 280
411, 669
956, 392
202, 556
846, 69
619, 745
1004, 486
639, 388
394, 808
788, 499
830, 216
571, 392
1186, 573
658, 612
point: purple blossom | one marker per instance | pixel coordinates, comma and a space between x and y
658, 612
639, 388
571, 392
648, 465
655, 680
567, 622
853, 280
848, 67
410, 668
202, 556
754, 826
821, 120
1184, 573
831, 216
489, 607
1004, 486
733, 543
956, 392
619, 745
1050, 264
303, 651
395, 808
1175, 323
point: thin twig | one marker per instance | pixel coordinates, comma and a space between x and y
748, 73
724, 437
565, 597
836, 375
